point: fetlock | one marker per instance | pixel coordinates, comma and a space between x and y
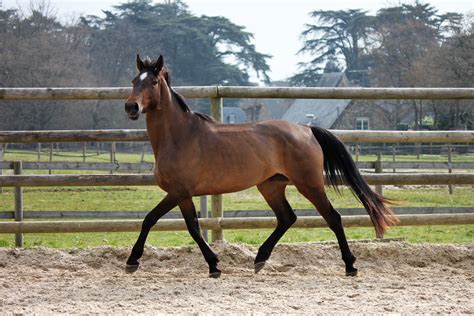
350, 270
261, 257
134, 257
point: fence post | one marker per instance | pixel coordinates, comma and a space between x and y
204, 214
38, 148
379, 169
17, 169
50, 156
216, 200
379, 187
394, 154
450, 170
357, 152
1, 160
142, 157
112, 154
84, 151
217, 212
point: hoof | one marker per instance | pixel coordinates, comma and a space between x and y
351, 273
130, 268
259, 266
215, 275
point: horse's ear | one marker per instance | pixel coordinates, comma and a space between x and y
158, 66
140, 64
166, 75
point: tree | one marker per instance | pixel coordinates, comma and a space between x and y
338, 37
38, 51
451, 64
407, 38
201, 50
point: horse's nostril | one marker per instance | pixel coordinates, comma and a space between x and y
131, 107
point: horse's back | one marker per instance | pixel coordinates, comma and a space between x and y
275, 143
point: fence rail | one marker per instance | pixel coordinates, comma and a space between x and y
228, 214
125, 135
148, 179
242, 92
148, 166
105, 166
220, 223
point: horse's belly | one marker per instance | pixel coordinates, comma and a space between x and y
230, 179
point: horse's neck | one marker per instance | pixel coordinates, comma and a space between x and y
167, 124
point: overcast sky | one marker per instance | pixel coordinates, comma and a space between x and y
276, 24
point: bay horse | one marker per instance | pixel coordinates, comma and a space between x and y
195, 155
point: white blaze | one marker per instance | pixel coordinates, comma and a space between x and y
143, 76
140, 105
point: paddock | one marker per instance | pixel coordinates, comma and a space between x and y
395, 277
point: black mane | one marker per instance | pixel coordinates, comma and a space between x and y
149, 65
182, 104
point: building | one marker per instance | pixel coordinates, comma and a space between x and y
233, 115
338, 114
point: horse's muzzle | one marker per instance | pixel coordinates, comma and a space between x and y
133, 110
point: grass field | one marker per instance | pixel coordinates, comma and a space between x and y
145, 198
91, 156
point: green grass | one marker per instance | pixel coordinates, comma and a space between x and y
74, 156
145, 198
421, 158
421, 234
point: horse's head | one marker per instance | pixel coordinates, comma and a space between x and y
145, 95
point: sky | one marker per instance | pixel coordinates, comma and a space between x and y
276, 24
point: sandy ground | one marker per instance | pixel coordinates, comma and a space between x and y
395, 277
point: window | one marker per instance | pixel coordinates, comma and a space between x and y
362, 123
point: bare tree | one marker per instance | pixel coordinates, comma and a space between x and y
39, 51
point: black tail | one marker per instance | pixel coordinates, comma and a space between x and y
341, 169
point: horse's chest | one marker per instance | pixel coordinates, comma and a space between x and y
163, 178
169, 176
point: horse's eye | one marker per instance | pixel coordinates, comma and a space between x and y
154, 82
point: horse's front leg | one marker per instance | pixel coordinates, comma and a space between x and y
189, 213
152, 217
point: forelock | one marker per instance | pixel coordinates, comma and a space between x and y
149, 63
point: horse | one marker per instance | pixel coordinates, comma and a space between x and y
196, 155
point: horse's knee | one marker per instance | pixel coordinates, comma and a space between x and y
149, 221
334, 221
291, 218
288, 220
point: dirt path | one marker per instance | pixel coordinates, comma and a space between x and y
305, 278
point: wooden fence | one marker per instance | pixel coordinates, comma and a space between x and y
123, 135
244, 92
218, 224
216, 95
148, 166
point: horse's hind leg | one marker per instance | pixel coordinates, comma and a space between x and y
318, 197
150, 219
274, 193
190, 217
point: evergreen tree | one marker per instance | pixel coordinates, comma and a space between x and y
200, 50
